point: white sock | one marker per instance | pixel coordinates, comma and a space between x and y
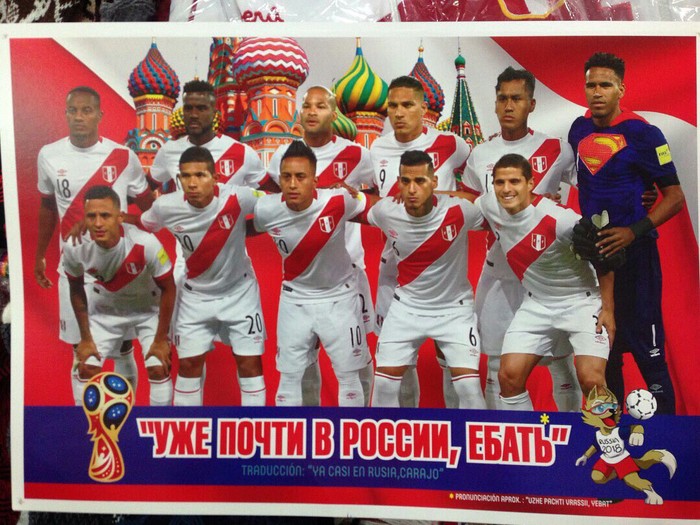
289, 390
565, 388
311, 385
125, 365
189, 392
519, 402
367, 380
386, 390
468, 389
78, 385
492, 389
350, 392
252, 391
161, 394
449, 394
409, 392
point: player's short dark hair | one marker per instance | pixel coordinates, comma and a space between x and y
297, 149
87, 90
607, 60
510, 74
199, 86
103, 192
407, 82
415, 157
198, 154
513, 160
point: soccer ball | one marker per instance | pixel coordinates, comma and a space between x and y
641, 404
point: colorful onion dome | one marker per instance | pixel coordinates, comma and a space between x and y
434, 95
270, 57
154, 76
360, 89
344, 127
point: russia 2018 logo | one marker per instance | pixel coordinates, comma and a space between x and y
107, 401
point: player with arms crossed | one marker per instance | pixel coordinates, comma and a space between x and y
220, 295
67, 169
499, 292
133, 290
339, 161
406, 106
620, 155
433, 297
563, 299
319, 299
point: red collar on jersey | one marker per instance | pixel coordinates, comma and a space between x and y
625, 115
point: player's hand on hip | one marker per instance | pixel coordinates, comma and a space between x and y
161, 351
85, 350
649, 198
556, 197
40, 274
75, 235
614, 239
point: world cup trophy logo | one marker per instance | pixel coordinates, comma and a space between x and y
107, 401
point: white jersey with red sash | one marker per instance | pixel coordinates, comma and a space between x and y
68, 172
537, 245
124, 274
431, 251
316, 264
212, 238
552, 162
338, 161
235, 163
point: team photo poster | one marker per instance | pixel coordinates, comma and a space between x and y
428, 462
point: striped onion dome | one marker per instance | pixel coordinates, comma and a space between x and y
344, 127
360, 89
434, 95
154, 76
270, 57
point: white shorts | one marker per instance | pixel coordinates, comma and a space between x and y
365, 296
236, 317
496, 302
68, 330
338, 325
109, 329
538, 327
386, 283
406, 329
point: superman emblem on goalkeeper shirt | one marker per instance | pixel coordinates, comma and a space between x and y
598, 148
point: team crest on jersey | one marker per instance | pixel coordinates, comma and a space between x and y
449, 232
327, 223
226, 167
538, 242
226, 222
132, 268
340, 169
539, 163
598, 148
109, 173
436, 158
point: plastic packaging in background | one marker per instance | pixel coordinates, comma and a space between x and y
432, 10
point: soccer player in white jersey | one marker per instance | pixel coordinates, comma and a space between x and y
499, 292
133, 289
234, 161
338, 161
406, 106
319, 299
433, 297
67, 169
220, 294
563, 297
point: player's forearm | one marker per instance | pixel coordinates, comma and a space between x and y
165, 312
48, 219
670, 205
607, 295
78, 300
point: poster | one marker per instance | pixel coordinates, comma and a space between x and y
226, 459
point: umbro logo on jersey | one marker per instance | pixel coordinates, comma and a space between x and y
538, 242
109, 173
226, 222
133, 269
326, 223
393, 234
227, 167
449, 232
178, 228
383, 163
62, 172
340, 169
539, 164
275, 232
